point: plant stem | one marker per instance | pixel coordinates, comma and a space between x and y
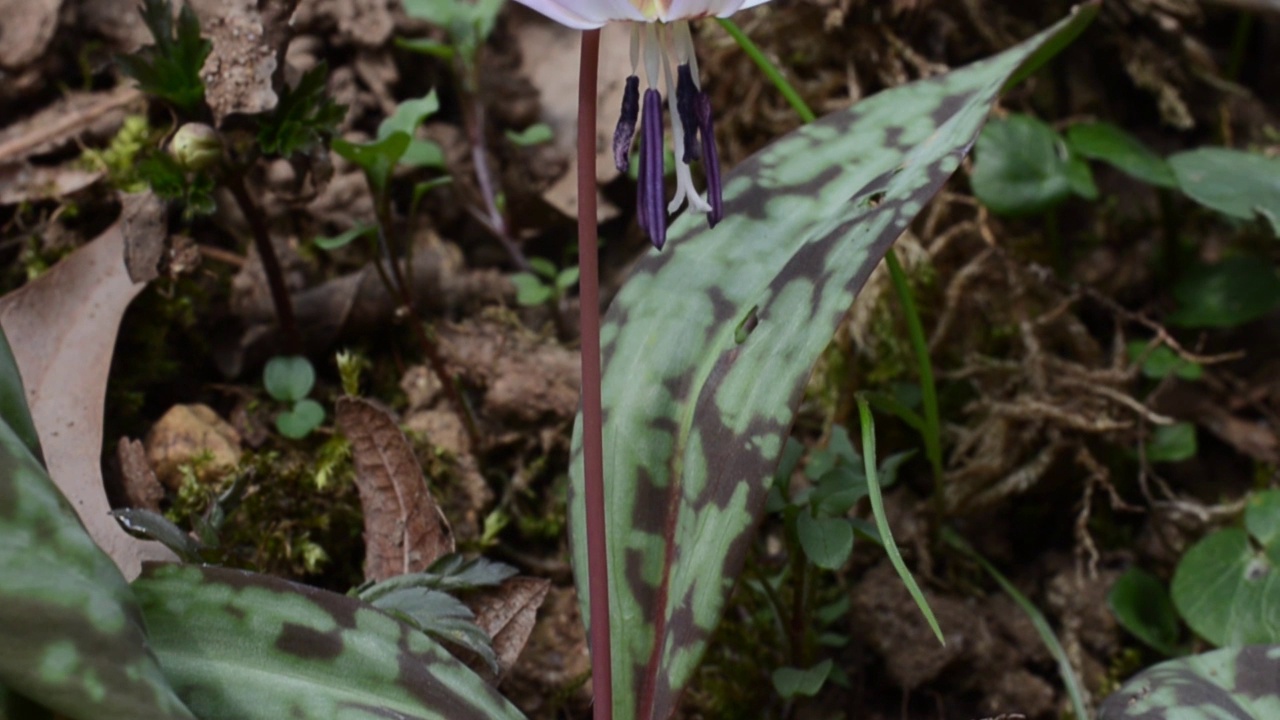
592, 414
770, 70
234, 181
932, 430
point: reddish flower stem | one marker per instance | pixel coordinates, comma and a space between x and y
592, 416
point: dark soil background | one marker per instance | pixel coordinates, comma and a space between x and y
1043, 473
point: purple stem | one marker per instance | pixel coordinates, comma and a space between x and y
592, 420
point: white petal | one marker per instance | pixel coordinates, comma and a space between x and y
584, 14
733, 6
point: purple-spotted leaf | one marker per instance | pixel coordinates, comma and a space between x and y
243, 646
708, 346
73, 639
1240, 683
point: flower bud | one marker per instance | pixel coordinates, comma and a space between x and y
196, 147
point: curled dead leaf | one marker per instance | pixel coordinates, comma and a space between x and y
404, 529
508, 613
141, 487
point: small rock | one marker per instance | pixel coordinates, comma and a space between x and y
192, 435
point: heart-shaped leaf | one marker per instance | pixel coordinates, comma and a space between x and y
698, 401
1228, 590
1235, 683
242, 646
288, 378
298, 421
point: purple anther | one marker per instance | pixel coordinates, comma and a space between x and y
710, 160
686, 107
626, 129
651, 211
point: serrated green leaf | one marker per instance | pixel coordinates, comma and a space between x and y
451, 572
1142, 606
305, 117
1234, 684
241, 646
441, 616
1228, 591
1109, 144
73, 641
288, 378
696, 421
170, 68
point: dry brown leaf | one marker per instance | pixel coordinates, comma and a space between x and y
63, 330
22, 182
508, 613
141, 487
551, 59
27, 29
404, 529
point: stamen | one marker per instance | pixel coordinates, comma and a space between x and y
652, 218
710, 159
626, 128
686, 101
652, 53
684, 50
684, 178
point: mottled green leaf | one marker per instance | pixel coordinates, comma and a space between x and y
13, 401
154, 526
1231, 684
73, 640
241, 646
1228, 591
697, 413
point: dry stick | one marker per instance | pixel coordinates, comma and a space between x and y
234, 181
592, 420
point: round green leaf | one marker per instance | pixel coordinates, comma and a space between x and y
790, 682
1262, 517
1021, 167
289, 378
1162, 362
298, 422
530, 290
826, 541
1227, 591
1239, 184
1109, 144
1142, 606
1172, 443
1231, 293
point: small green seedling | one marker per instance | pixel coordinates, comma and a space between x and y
545, 284
289, 380
1227, 586
1172, 443
535, 134
1162, 362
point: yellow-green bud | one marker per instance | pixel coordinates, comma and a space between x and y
196, 147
